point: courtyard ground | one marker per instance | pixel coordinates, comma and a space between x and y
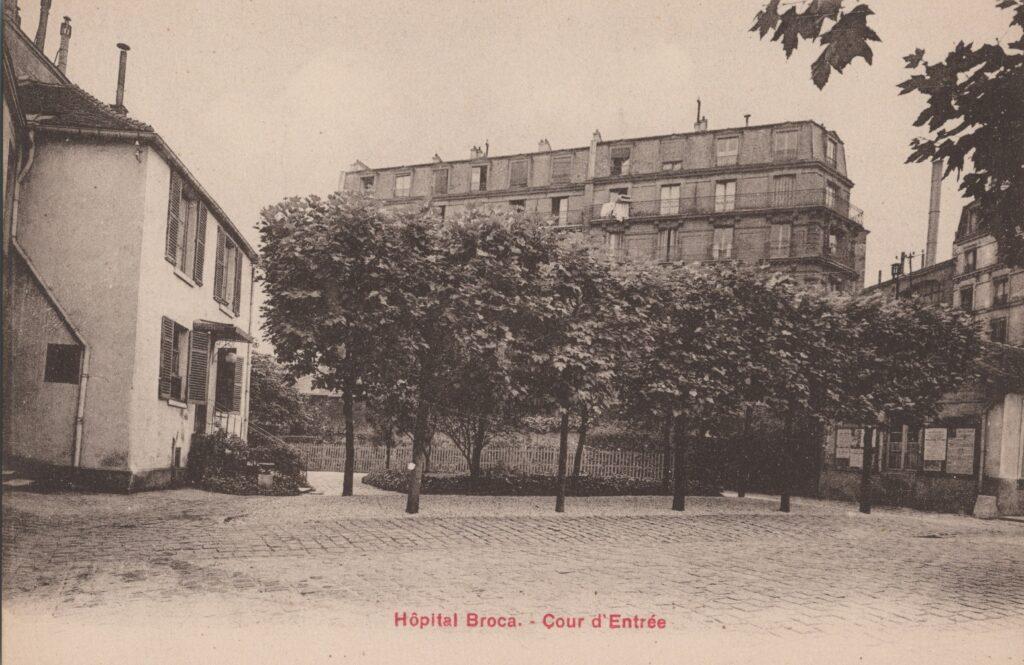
189, 576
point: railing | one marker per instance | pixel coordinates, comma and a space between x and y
703, 205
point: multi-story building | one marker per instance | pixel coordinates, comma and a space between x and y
127, 289
771, 194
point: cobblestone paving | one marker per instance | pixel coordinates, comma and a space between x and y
733, 564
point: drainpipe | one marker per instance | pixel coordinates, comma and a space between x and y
248, 375
83, 379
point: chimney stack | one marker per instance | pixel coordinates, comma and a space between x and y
543, 146
44, 18
119, 104
476, 152
933, 214
702, 122
65, 41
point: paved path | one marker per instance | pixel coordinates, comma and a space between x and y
330, 483
728, 567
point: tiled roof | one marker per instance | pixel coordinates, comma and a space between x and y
70, 106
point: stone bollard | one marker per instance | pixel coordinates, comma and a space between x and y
985, 507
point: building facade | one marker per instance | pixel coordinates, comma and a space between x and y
129, 290
770, 194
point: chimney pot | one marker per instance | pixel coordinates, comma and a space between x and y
122, 66
44, 18
65, 42
543, 146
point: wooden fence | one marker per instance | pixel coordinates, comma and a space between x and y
540, 460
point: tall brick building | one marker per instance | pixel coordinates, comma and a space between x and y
768, 194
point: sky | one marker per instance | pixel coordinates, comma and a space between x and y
265, 99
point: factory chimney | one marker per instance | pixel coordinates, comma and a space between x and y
933, 214
44, 18
65, 42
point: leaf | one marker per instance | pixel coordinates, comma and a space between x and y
914, 59
766, 19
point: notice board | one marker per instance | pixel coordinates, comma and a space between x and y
960, 450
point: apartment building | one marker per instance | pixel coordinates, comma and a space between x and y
770, 194
127, 289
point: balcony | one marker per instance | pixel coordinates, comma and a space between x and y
708, 205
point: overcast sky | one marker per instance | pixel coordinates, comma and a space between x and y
265, 99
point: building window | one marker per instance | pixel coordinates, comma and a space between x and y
674, 165
173, 360
519, 205
478, 179
997, 330
561, 168
666, 243
831, 150
971, 260
620, 160
519, 173
785, 145
779, 240
63, 363
614, 243
669, 200
722, 244
186, 230
230, 367
967, 298
560, 209
227, 279
367, 182
725, 196
441, 181
727, 150
784, 192
1000, 291
403, 184
831, 195
833, 243
442, 211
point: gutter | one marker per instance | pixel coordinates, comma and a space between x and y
83, 379
152, 137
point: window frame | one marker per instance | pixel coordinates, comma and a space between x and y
434, 173
777, 249
831, 151
513, 164
720, 233
970, 259
363, 186
1000, 323
725, 202
560, 209
674, 202
731, 158
617, 164
568, 171
969, 305
786, 153
518, 205
403, 192
1001, 291
478, 178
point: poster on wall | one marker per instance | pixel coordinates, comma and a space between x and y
934, 448
960, 456
845, 440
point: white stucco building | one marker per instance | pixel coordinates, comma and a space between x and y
128, 290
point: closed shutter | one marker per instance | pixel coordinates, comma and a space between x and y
197, 266
441, 181
173, 219
199, 366
236, 305
236, 392
519, 174
672, 150
166, 357
219, 268
561, 168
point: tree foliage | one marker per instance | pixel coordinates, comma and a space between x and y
274, 403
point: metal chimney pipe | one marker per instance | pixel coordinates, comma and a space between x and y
44, 18
933, 214
65, 41
119, 104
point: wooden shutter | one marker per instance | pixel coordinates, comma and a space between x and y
219, 268
236, 305
519, 173
197, 264
166, 357
236, 392
561, 168
198, 365
441, 181
672, 150
173, 219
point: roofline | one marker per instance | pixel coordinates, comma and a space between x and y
587, 147
169, 155
922, 272
42, 56
11, 95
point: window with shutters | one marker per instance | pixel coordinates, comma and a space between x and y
230, 368
666, 244
785, 145
669, 199
227, 281
727, 150
198, 365
725, 196
831, 151
186, 230
561, 169
784, 195
174, 360
780, 237
440, 181
478, 179
403, 184
722, 242
620, 160
560, 209
519, 173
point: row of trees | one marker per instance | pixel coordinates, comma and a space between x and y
469, 323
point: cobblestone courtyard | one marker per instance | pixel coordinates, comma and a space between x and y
728, 570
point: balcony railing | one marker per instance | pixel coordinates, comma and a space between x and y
704, 205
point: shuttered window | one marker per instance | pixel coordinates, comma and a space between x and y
236, 393
519, 173
236, 296
173, 219
230, 372
173, 360
220, 267
561, 168
185, 243
672, 150
441, 181
200, 247
199, 366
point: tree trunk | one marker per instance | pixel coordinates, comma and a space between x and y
389, 441
477, 446
666, 472
563, 455
865, 471
744, 454
577, 462
419, 455
350, 442
679, 473
787, 463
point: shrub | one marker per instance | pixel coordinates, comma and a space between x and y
502, 482
222, 462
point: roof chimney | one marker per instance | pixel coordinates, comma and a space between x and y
933, 214
702, 122
437, 158
65, 41
543, 146
44, 17
119, 104
476, 152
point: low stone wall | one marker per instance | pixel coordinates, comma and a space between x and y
945, 494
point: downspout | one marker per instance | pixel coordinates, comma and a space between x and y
83, 379
248, 375
984, 447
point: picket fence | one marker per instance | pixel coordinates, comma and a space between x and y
540, 460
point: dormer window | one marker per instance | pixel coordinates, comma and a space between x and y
403, 183
831, 150
519, 173
367, 182
441, 181
727, 150
785, 145
478, 179
620, 160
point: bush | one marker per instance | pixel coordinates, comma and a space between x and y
501, 482
222, 462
